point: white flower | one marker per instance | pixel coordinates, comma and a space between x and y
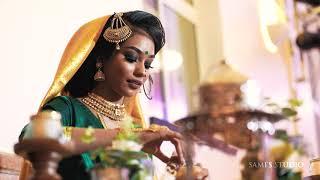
125, 145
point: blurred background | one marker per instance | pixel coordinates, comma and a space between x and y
257, 38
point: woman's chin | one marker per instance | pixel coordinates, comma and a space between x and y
130, 93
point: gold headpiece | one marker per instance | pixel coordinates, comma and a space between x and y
118, 32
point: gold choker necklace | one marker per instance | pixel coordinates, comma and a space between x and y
100, 105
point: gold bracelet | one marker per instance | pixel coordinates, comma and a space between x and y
156, 128
152, 128
138, 129
67, 133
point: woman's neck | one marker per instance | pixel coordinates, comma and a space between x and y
108, 95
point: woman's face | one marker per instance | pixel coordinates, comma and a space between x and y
128, 68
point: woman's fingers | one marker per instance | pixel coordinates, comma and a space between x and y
175, 139
173, 134
179, 151
167, 134
162, 134
161, 156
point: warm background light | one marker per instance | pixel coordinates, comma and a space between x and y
171, 60
272, 24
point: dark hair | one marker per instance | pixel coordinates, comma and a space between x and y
82, 82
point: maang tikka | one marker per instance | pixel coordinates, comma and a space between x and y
99, 76
118, 32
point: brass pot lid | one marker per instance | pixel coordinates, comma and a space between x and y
224, 73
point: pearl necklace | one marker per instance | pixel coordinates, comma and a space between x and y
115, 112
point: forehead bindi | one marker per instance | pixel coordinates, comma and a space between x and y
143, 43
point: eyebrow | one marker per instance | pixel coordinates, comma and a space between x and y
139, 51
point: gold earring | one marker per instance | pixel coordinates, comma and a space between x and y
118, 32
99, 76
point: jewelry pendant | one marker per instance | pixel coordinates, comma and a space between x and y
117, 112
117, 46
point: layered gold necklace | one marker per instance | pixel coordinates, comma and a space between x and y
106, 108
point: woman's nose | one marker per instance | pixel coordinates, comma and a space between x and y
140, 70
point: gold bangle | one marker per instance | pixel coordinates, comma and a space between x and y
67, 133
156, 128
138, 129
152, 128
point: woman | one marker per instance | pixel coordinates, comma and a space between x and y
104, 66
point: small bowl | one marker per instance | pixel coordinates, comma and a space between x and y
45, 124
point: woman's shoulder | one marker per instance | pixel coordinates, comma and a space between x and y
61, 101
73, 112
62, 104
